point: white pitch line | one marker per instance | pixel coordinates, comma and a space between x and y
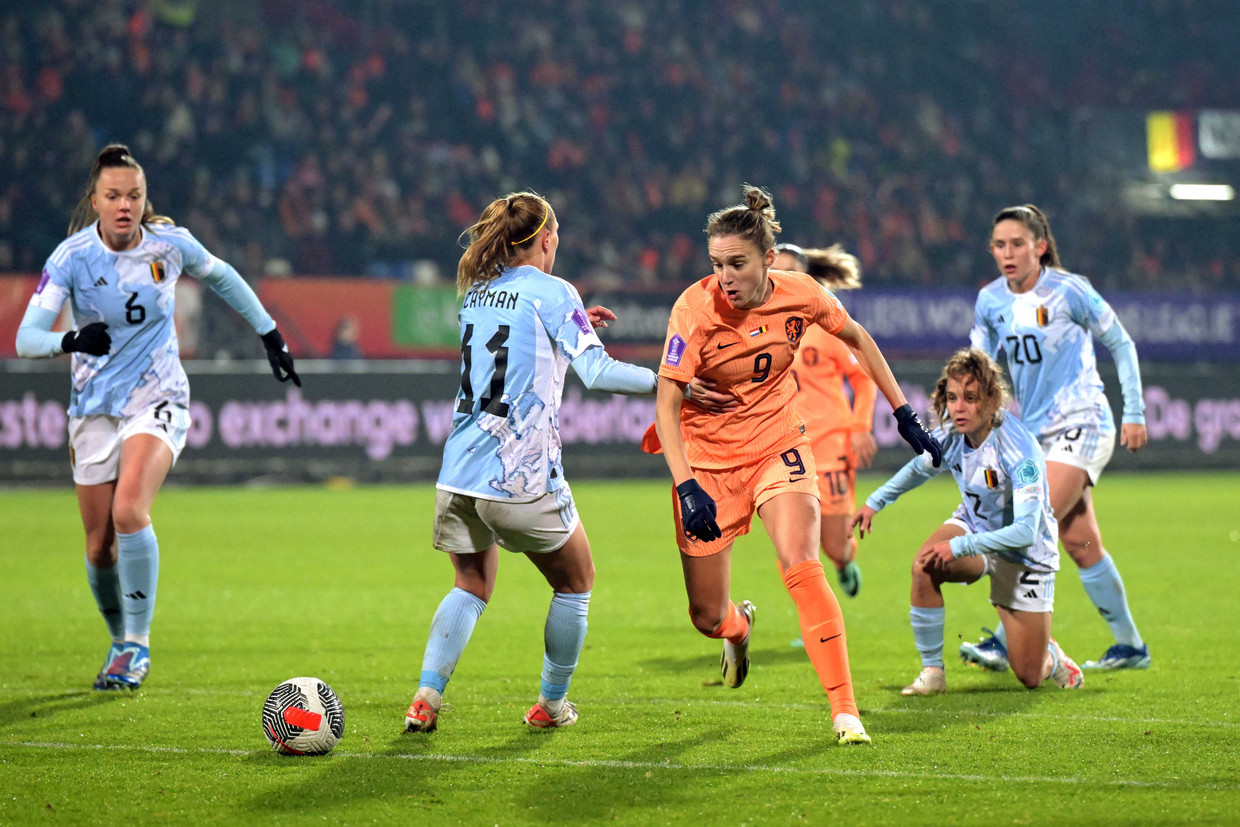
662, 765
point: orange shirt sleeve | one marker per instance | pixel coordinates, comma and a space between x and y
682, 349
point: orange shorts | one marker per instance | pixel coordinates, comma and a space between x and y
739, 492
836, 464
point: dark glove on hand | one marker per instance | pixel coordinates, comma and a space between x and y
279, 357
915, 434
697, 512
92, 339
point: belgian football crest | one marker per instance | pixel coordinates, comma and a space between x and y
794, 328
158, 273
992, 478
1044, 315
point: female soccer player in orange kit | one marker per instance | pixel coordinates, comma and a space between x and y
740, 328
839, 431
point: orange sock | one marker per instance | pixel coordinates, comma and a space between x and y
822, 629
734, 626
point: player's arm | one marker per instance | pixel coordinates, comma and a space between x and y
865, 394
600, 372
873, 362
983, 336
914, 473
1124, 351
227, 283
697, 508
1019, 534
35, 339
1093, 311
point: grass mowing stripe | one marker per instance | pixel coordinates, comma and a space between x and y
663, 765
809, 707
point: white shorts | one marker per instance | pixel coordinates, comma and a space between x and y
1086, 448
1012, 586
95, 440
468, 525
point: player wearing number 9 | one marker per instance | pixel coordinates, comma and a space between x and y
501, 483
739, 329
129, 404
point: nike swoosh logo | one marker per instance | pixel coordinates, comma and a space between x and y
825, 639
729, 344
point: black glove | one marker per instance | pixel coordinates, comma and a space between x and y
279, 357
697, 512
915, 434
92, 339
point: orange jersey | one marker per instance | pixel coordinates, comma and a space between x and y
748, 353
821, 364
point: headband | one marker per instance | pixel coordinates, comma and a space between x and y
537, 230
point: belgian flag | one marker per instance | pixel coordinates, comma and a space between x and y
158, 273
992, 478
1171, 141
1044, 315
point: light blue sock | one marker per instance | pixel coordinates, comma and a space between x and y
451, 627
1001, 635
1106, 588
563, 637
105, 584
928, 633
137, 568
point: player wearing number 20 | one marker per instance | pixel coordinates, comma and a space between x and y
1045, 319
129, 407
501, 483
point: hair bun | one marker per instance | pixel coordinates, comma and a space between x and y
114, 152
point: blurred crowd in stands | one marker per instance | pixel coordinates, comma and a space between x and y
310, 137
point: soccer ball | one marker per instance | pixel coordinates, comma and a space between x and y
303, 716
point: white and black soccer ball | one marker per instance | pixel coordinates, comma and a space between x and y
303, 716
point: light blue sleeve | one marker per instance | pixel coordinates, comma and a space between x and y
1019, 534
35, 339
1124, 351
600, 372
914, 473
228, 284
983, 336
1096, 315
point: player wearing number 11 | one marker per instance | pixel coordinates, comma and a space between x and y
502, 483
739, 329
129, 408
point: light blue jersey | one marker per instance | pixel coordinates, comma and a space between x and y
133, 293
1047, 333
1005, 496
519, 333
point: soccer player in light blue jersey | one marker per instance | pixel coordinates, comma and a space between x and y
502, 483
129, 405
1045, 319
1003, 528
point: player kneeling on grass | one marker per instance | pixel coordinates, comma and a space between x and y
1003, 527
501, 483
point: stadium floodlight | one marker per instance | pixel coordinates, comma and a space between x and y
1202, 192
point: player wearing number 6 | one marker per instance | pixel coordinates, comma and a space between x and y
739, 329
1045, 319
129, 407
502, 483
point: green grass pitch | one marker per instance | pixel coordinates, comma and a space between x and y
258, 585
